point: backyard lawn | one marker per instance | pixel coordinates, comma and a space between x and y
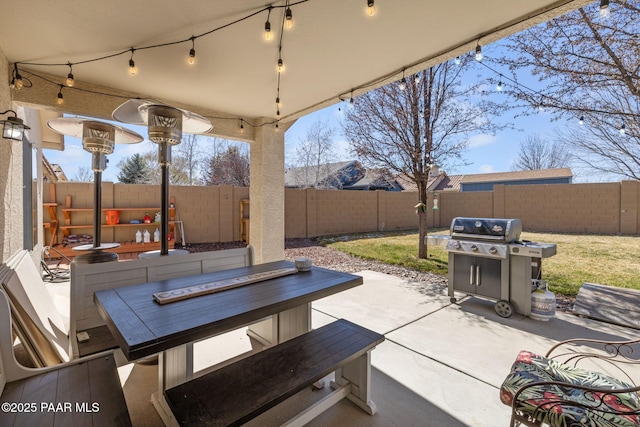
607, 260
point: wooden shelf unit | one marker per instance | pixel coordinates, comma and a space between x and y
125, 247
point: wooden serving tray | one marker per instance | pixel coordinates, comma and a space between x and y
220, 285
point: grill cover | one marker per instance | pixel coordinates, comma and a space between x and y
495, 229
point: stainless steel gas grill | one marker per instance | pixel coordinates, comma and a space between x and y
487, 258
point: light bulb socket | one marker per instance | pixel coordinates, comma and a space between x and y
479, 55
288, 18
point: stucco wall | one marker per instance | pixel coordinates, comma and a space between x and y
11, 211
212, 214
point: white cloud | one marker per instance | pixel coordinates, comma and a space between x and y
486, 168
481, 140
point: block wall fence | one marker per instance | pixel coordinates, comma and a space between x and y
212, 214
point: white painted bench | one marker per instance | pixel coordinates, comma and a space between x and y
86, 279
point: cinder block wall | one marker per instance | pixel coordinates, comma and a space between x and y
212, 214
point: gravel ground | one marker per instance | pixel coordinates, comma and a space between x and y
323, 256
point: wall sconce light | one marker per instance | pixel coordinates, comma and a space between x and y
13, 127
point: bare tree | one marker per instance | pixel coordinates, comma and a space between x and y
409, 126
188, 158
313, 155
84, 174
589, 68
538, 153
229, 165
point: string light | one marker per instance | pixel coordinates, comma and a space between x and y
457, 61
70, 82
132, 65
280, 65
581, 121
623, 129
371, 8
192, 53
288, 18
278, 104
416, 78
604, 8
479, 53
499, 87
268, 36
241, 125
60, 99
17, 79
403, 84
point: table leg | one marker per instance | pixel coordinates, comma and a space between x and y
175, 366
358, 373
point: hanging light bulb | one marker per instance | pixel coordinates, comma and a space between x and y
60, 99
278, 113
416, 78
499, 87
278, 104
479, 53
268, 36
280, 65
192, 52
604, 8
17, 79
581, 121
70, 82
403, 84
371, 8
288, 19
241, 125
623, 129
132, 65
457, 61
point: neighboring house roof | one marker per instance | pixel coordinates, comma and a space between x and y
329, 175
52, 172
485, 181
449, 183
375, 179
518, 175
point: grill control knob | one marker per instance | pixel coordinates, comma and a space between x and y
455, 244
493, 250
474, 248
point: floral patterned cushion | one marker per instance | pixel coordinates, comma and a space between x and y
561, 406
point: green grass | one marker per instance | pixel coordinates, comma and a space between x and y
608, 260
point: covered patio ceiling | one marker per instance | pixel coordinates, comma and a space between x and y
334, 50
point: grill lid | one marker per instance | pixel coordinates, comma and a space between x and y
496, 229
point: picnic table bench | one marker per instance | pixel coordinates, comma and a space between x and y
236, 393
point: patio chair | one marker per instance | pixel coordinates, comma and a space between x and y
553, 390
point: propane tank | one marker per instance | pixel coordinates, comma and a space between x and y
146, 236
138, 236
156, 235
543, 301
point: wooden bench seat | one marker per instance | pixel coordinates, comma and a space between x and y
79, 394
236, 393
84, 392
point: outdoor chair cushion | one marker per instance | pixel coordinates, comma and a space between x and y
559, 405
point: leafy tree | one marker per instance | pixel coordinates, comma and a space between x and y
408, 127
589, 67
134, 170
228, 166
537, 153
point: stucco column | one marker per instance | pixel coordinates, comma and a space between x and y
11, 218
266, 194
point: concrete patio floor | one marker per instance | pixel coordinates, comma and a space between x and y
441, 365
